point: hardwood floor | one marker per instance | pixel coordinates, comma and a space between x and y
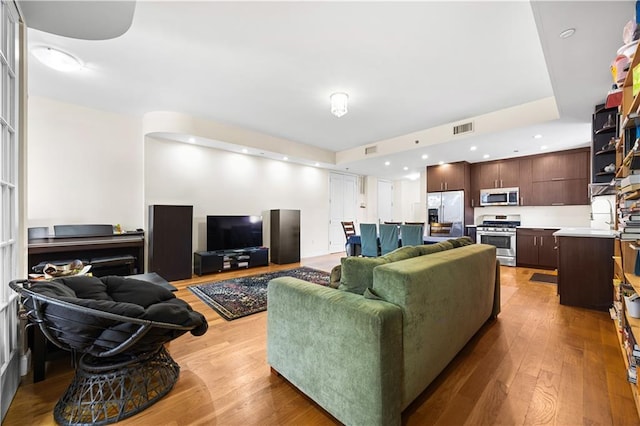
539, 363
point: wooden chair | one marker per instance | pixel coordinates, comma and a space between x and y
392, 223
349, 230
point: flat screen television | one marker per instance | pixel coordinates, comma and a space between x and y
233, 232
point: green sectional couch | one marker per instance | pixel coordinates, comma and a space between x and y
365, 351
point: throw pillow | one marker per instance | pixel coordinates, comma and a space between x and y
402, 253
357, 273
459, 242
334, 278
434, 248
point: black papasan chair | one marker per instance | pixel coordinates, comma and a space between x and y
118, 327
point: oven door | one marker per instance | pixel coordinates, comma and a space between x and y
505, 242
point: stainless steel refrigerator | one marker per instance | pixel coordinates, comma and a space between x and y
446, 207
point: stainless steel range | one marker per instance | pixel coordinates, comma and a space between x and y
500, 231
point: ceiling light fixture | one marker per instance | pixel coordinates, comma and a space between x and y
486, 156
567, 33
538, 136
339, 102
425, 156
57, 59
473, 148
386, 163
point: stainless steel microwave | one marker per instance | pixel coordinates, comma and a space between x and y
500, 197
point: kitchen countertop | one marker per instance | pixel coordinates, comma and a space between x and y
585, 232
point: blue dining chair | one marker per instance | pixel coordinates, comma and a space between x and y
389, 238
411, 235
368, 240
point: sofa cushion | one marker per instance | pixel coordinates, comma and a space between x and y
460, 242
434, 248
402, 253
357, 273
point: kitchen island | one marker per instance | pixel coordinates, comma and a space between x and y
585, 267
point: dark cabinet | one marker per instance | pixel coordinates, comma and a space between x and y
560, 178
536, 248
525, 183
285, 236
585, 268
448, 177
499, 174
560, 166
170, 241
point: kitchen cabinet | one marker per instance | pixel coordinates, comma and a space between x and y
525, 185
448, 177
536, 247
499, 174
558, 166
585, 268
560, 179
570, 192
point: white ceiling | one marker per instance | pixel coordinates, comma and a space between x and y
412, 70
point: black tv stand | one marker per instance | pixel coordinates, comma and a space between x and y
208, 262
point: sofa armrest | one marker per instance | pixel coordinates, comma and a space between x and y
342, 350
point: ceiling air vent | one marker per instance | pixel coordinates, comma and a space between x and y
463, 128
370, 150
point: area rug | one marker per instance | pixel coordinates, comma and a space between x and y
544, 278
239, 297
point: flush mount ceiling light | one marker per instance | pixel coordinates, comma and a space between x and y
567, 33
56, 59
339, 102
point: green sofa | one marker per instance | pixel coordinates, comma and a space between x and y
365, 358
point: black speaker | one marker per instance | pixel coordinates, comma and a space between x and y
205, 262
285, 236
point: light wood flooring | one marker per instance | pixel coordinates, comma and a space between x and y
539, 363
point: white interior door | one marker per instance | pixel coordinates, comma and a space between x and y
342, 207
385, 201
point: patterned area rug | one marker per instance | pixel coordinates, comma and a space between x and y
239, 297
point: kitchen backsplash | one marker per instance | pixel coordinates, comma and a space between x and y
541, 216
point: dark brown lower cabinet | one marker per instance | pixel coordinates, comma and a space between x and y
585, 268
536, 247
170, 241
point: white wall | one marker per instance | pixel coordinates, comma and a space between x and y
219, 182
84, 166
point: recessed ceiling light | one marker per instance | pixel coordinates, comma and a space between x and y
473, 148
425, 156
386, 163
285, 158
245, 150
543, 147
441, 162
57, 59
413, 176
486, 156
191, 139
538, 136
567, 33
405, 168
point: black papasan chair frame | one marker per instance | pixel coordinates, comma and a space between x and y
110, 384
